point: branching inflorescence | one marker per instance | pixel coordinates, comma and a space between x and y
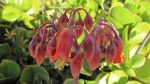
57, 40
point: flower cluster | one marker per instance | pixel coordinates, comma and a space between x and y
57, 40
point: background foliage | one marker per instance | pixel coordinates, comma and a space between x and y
19, 17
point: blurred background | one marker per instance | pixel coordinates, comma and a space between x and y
18, 19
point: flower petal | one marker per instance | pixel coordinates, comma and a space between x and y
40, 52
95, 62
118, 57
32, 47
64, 44
88, 22
88, 48
76, 65
111, 51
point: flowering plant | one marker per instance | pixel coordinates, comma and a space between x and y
57, 40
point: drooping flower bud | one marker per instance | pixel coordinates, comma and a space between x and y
111, 52
78, 30
51, 50
40, 52
118, 58
76, 65
88, 48
63, 20
95, 62
32, 47
64, 44
88, 22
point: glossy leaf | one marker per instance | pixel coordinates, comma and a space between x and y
34, 73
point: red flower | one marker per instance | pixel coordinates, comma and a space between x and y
88, 48
40, 52
118, 58
51, 50
64, 44
76, 65
95, 62
111, 52
58, 40
88, 22
78, 30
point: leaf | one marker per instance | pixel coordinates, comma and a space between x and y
5, 50
99, 77
117, 76
91, 5
86, 69
122, 15
8, 15
143, 73
70, 81
117, 24
146, 5
133, 82
9, 70
139, 32
137, 61
128, 70
32, 73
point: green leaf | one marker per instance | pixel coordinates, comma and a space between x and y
139, 32
122, 15
5, 50
99, 77
128, 70
90, 81
70, 81
143, 73
10, 71
8, 15
146, 5
86, 69
146, 17
133, 82
137, 61
32, 73
114, 22
91, 5
117, 76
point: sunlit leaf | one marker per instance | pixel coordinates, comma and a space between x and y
8, 15
123, 15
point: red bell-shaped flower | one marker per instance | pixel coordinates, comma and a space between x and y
32, 47
88, 48
64, 44
63, 20
40, 52
118, 58
111, 52
78, 30
76, 65
88, 22
51, 50
95, 62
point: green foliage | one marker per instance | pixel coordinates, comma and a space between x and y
86, 69
34, 74
9, 71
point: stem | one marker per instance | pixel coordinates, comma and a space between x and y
71, 20
143, 43
134, 78
75, 80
